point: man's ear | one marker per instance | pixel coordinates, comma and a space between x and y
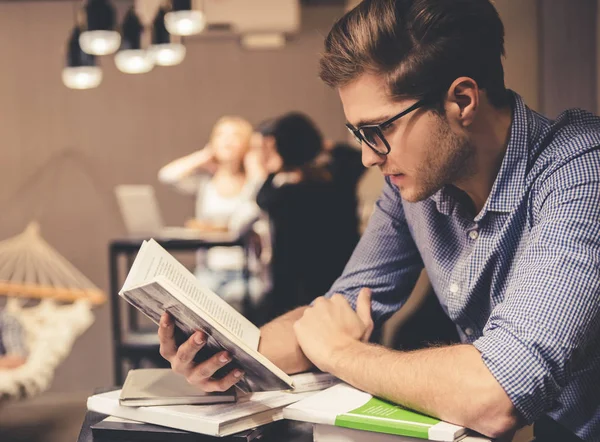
463, 101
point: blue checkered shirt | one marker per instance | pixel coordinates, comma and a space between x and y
521, 280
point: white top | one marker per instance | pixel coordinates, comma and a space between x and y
237, 212
218, 209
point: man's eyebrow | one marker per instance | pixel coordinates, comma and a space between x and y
371, 121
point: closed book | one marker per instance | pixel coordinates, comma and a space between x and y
162, 386
116, 429
347, 407
331, 433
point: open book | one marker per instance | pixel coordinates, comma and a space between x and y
157, 282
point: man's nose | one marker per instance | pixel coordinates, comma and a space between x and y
369, 157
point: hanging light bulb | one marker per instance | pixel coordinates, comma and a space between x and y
100, 37
164, 52
183, 20
81, 71
131, 58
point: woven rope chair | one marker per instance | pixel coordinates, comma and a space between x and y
51, 301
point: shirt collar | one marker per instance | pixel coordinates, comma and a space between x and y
509, 185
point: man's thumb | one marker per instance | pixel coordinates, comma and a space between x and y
363, 310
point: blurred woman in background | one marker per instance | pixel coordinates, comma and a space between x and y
310, 198
225, 184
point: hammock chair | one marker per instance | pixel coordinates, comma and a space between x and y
48, 305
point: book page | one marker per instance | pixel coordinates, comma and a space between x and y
154, 261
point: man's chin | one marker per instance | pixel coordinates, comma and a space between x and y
413, 195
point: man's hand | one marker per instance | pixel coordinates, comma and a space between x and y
330, 325
181, 359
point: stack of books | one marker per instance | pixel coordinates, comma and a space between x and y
147, 397
158, 283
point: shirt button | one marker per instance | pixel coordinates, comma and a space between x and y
469, 331
473, 234
454, 288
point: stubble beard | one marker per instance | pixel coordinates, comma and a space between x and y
449, 159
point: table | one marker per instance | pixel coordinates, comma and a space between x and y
130, 342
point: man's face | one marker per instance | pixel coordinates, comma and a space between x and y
426, 152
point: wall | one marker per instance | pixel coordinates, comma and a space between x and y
123, 132
521, 66
126, 129
568, 51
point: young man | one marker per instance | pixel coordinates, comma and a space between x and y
499, 204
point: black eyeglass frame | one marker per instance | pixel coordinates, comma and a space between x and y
379, 128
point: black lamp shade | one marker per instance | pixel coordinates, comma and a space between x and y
182, 5
160, 35
100, 15
131, 31
75, 56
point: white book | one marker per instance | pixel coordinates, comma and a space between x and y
347, 407
251, 410
157, 282
162, 386
331, 433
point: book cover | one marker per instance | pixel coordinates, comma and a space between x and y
162, 386
157, 282
345, 406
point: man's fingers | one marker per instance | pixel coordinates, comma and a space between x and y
363, 310
363, 305
205, 370
339, 299
225, 383
166, 337
183, 361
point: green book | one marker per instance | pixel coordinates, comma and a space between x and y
345, 406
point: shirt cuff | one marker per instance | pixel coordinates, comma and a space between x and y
522, 373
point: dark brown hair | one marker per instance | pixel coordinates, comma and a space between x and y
297, 139
419, 46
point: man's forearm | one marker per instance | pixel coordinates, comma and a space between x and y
279, 344
451, 383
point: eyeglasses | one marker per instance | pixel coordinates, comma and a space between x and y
372, 134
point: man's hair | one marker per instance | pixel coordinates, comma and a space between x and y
419, 47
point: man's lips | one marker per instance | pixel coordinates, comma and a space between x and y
396, 179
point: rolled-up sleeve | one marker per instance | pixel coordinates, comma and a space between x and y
386, 259
535, 340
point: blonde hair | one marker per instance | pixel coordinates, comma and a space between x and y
240, 122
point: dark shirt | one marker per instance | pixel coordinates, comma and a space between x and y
315, 229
